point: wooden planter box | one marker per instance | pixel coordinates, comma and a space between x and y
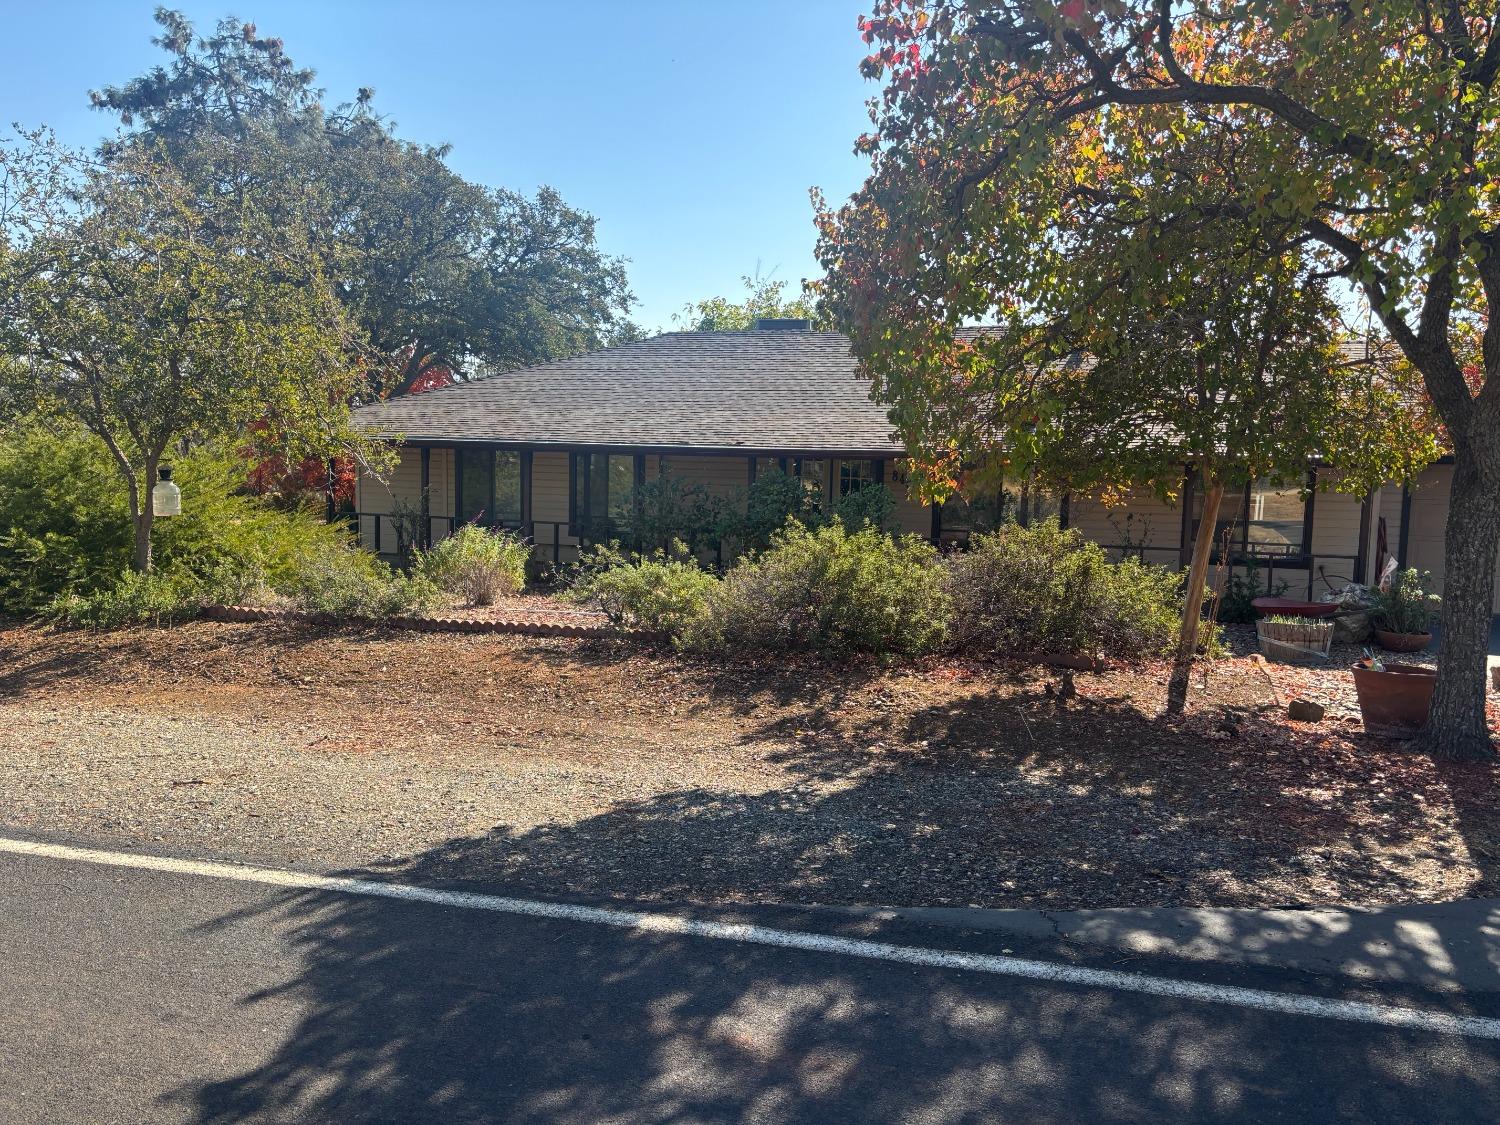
1301, 642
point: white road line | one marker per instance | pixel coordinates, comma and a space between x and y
1283, 1003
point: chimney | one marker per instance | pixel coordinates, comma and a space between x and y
782, 324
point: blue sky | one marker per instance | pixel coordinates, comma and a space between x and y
692, 130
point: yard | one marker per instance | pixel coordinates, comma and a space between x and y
586, 768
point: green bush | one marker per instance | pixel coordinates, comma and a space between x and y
771, 499
664, 511
663, 593
476, 564
1236, 604
65, 525
156, 598
352, 583
871, 506
1407, 607
827, 590
1042, 589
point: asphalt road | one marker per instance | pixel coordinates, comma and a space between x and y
139, 996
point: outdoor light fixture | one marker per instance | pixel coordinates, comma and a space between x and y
166, 497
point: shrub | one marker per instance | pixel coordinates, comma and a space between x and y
131, 599
1407, 607
664, 511
827, 590
1042, 589
65, 528
870, 506
1236, 604
771, 499
350, 583
663, 593
476, 564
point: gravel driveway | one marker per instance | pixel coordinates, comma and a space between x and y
574, 768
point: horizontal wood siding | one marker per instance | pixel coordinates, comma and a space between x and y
719, 476
1157, 524
549, 506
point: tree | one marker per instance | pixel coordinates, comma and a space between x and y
763, 298
127, 307
437, 271
1369, 129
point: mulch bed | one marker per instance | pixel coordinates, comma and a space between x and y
598, 768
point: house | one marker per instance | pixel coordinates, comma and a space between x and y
551, 450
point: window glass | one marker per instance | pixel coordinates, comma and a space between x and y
507, 486
854, 475
1277, 518
813, 474
621, 486
598, 487
476, 480
764, 466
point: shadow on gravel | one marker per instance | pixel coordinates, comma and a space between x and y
411, 1012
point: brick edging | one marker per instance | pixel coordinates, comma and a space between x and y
250, 613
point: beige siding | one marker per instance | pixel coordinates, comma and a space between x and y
912, 516
1429, 519
379, 497
549, 507
719, 476
1144, 517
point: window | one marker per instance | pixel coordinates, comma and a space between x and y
489, 487
854, 475
1264, 521
476, 483
764, 466
603, 487
621, 488
507, 486
1277, 521
812, 474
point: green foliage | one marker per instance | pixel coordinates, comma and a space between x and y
870, 506
827, 590
771, 499
477, 564
155, 598
668, 510
1024, 590
352, 584
507, 279
1407, 607
663, 593
1236, 604
154, 316
763, 299
64, 524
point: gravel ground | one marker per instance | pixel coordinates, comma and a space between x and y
589, 768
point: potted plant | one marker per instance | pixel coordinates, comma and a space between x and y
1404, 613
1393, 698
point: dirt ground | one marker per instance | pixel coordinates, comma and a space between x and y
596, 769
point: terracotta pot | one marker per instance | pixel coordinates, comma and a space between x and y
1394, 702
1402, 642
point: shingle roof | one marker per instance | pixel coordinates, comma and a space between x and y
774, 390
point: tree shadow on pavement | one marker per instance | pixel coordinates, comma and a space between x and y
406, 1011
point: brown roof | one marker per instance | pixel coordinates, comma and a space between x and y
773, 390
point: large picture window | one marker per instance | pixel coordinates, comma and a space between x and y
1265, 521
603, 488
489, 487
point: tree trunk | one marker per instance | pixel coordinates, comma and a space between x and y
1192, 604
142, 516
140, 560
1456, 727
